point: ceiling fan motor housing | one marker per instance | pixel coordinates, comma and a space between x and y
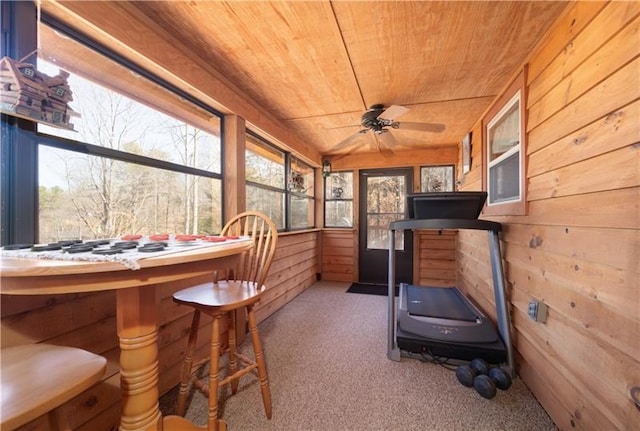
371, 121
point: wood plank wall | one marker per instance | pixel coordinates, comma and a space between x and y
434, 264
339, 255
436, 261
577, 249
88, 321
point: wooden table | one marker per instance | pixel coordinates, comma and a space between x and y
136, 312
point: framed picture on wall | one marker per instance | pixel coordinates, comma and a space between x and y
466, 153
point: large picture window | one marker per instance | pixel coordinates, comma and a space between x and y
504, 164
140, 158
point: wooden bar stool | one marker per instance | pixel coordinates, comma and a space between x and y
223, 298
38, 378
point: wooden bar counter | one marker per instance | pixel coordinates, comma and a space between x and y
137, 316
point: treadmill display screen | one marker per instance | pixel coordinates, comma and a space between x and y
446, 205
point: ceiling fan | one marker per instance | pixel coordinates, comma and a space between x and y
379, 119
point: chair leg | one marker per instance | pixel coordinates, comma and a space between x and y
233, 362
213, 374
259, 356
185, 377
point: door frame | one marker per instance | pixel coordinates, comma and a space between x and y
404, 257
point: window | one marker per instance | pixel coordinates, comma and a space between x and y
279, 185
141, 158
504, 150
301, 195
266, 173
338, 199
437, 179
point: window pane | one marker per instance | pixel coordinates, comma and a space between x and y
111, 120
270, 202
386, 201
264, 164
338, 209
339, 185
436, 179
378, 232
504, 133
302, 214
88, 197
302, 178
338, 214
121, 110
504, 179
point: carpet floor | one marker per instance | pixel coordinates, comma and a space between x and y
328, 369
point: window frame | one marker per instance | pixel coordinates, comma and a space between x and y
516, 91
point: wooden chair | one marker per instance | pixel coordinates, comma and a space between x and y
242, 288
38, 378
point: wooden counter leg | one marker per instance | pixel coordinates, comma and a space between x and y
138, 334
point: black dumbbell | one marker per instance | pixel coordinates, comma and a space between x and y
501, 378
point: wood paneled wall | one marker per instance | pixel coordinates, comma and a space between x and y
339, 255
434, 261
436, 258
88, 321
577, 249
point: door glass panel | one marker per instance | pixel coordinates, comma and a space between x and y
386, 200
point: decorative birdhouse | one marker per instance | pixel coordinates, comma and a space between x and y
27, 93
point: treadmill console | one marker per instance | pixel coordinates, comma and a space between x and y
446, 205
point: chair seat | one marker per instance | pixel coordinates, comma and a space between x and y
223, 296
37, 378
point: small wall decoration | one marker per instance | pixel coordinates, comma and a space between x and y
466, 153
28, 93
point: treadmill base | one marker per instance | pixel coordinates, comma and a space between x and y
494, 353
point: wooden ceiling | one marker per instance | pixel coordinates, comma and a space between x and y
316, 66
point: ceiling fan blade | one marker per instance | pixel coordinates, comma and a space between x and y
345, 142
393, 112
387, 140
422, 127
342, 127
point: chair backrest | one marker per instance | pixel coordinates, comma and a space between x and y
255, 263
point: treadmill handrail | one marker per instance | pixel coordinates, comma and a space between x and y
444, 223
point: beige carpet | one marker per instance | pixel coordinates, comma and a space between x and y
328, 369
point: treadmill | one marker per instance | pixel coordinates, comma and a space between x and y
441, 321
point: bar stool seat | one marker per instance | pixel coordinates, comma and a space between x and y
38, 378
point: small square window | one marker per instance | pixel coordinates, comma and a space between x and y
437, 179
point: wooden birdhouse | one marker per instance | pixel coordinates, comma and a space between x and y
28, 93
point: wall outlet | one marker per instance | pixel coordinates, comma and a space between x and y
538, 310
